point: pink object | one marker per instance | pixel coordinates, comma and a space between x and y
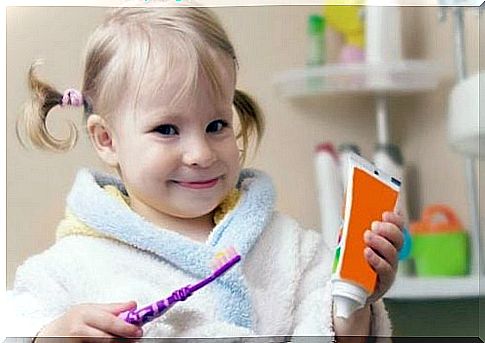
351, 54
72, 97
329, 148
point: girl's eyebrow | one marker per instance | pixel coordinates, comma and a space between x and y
158, 115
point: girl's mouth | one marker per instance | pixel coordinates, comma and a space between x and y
198, 184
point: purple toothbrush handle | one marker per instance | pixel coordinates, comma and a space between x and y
216, 274
148, 313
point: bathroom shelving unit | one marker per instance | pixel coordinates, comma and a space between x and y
402, 77
381, 81
444, 288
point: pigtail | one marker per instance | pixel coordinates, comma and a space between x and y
251, 119
32, 123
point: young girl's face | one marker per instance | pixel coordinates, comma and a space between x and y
180, 160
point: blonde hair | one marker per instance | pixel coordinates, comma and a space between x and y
119, 53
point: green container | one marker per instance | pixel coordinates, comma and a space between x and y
441, 254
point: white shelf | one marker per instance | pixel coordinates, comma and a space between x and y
420, 288
406, 76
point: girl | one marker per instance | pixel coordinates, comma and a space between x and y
158, 96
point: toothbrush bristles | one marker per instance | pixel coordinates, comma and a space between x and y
222, 257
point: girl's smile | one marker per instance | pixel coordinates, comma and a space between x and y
201, 184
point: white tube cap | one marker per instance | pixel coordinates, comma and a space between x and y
345, 306
347, 297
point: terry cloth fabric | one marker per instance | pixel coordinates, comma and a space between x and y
89, 202
285, 271
71, 225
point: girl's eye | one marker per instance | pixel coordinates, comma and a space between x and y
216, 126
167, 130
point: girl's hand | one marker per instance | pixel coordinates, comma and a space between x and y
384, 241
93, 320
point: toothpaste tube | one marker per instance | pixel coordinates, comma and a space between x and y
370, 192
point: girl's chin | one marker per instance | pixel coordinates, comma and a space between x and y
196, 213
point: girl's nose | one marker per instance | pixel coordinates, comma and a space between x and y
198, 152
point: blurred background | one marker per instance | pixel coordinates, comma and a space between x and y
279, 47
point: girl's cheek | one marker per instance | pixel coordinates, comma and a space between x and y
231, 148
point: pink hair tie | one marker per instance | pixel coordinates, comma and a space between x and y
72, 97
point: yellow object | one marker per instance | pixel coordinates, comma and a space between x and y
71, 225
347, 21
226, 205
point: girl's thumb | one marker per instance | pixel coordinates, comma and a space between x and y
117, 308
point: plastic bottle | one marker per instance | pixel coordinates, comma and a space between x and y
316, 40
370, 192
329, 190
383, 35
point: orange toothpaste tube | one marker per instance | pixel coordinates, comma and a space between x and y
370, 193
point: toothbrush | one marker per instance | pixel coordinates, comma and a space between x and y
223, 261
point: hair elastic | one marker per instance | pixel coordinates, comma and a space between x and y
72, 97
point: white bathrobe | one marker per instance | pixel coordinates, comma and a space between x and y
280, 287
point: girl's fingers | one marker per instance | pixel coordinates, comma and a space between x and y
390, 232
383, 241
393, 218
382, 247
117, 308
385, 274
109, 322
383, 269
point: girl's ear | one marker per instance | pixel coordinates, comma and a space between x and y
101, 136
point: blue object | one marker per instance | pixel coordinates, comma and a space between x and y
406, 247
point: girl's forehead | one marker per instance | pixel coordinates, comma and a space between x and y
181, 84
172, 99
179, 78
